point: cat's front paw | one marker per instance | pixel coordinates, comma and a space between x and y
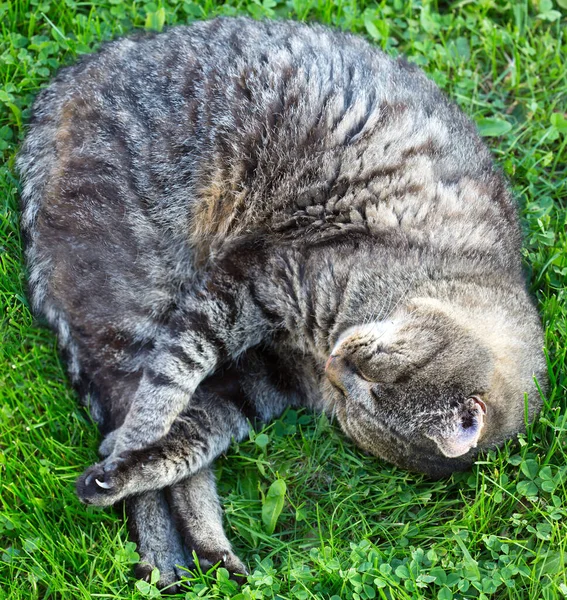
102, 484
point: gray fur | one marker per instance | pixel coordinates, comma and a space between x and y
217, 214
158, 541
171, 527
197, 513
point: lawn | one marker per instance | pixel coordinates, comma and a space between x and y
351, 526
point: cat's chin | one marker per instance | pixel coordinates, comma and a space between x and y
420, 455
437, 466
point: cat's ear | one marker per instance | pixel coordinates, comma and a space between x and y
461, 431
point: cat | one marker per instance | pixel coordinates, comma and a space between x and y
233, 217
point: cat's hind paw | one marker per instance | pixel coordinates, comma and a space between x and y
227, 559
170, 576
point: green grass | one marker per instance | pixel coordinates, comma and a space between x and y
351, 526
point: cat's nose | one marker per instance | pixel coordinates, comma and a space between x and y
341, 373
330, 361
333, 369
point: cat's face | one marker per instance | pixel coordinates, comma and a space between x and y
423, 391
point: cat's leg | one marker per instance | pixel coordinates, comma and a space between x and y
212, 328
261, 387
158, 540
197, 514
169, 526
196, 438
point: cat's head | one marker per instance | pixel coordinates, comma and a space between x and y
430, 387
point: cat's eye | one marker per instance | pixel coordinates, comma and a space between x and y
363, 376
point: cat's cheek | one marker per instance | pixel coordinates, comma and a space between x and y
336, 408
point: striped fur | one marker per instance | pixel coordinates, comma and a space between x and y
217, 214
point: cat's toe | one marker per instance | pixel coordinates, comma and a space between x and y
143, 571
236, 568
172, 578
100, 484
169, 581
228, 560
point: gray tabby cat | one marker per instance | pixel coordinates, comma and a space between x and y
234, 217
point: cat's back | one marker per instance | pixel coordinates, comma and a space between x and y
231, 128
